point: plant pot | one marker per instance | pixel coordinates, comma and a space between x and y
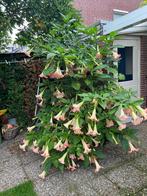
9, 134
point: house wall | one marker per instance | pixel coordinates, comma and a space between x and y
94, 10
143, 87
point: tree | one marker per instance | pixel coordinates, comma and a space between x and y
82, 104
38, 15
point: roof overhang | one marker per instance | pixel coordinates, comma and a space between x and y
134, 22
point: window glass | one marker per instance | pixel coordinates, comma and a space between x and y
125, 65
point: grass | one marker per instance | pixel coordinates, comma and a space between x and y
25, 189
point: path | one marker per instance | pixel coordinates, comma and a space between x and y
123, 174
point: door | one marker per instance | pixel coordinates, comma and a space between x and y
129, 64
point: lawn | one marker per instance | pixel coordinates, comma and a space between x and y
25, 189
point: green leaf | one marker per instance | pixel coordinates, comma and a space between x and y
50, 55
76, 85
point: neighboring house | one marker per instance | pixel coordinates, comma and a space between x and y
131, 25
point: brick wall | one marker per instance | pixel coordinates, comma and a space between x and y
144, 68
94, 10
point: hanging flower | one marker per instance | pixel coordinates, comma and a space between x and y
58, 145
122, 126
58, 94
122, 116
72, 156
87, 150
127, 111
35, 143
42, 175
67, 124
76, 127
66, 144
57, 74
137, 121
93, 116
92, 132
24, 145
62, 159
35, 150
40, 96
98, 167
51, 121
142, 112
116, 56
60, 116
132, 148
46, 153
99, 55
30, 128
43, 76
76, 107
81, 157
95, 142
109, 123
72, 167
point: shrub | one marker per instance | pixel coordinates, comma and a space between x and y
83, 106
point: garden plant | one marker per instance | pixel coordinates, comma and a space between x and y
82, 105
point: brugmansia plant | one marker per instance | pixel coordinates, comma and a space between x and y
82, 104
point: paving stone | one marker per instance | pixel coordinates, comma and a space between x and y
127, 178
33, 169
103, 186
51, 184
28, 157
143, 192
11, 172
141, 163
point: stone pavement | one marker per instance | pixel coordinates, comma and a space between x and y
123, 173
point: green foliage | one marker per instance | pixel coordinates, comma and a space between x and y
37, 16
12, 91
83, 104
25, 189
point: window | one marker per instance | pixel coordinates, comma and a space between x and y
125, 65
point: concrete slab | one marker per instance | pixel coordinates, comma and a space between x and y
128, 178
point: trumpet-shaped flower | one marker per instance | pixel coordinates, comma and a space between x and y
58, 94
93, 116
58, 145
30, 128
62, 159
46, 153
137, 121
116, 56
72, 156
98, 166
142, 112
35, 150
60, 116
122, 126
109, 123
35, 143
68, 124
76, 127
99, 55
92, 132
24, 145
81, 157
43, 76
87, 150
95, 142
42, 175
122, 116
76, 107
57, 74
66, 144
132, 148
